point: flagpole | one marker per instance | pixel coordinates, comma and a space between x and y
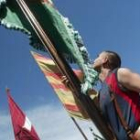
56, 56
66, 70
79, 128
7, 90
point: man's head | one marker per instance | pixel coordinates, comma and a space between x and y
107, 59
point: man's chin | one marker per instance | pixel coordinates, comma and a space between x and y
96, 68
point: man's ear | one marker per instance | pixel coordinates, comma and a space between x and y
105, 60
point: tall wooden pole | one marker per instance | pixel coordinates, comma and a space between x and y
66, 70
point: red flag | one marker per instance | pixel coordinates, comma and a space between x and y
23, 129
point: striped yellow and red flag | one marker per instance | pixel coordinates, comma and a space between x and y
65, 95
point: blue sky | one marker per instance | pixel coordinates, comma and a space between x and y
103, 25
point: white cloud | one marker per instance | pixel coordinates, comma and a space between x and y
6, 132
50, 122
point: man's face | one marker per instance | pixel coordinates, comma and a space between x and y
99, 61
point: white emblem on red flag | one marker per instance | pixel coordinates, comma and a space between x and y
27, 124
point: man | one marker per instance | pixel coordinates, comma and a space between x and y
125, 86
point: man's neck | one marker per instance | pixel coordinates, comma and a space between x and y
103, 74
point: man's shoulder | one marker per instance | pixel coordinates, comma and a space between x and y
123, 74
123, 71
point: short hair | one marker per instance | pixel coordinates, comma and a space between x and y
113, 59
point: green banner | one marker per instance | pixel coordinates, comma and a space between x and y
58, 28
